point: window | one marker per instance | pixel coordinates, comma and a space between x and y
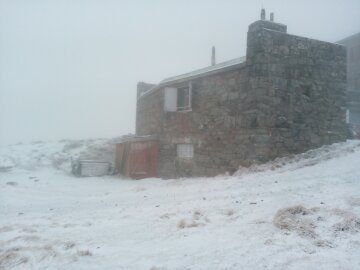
178, 99
185, 150
183, 99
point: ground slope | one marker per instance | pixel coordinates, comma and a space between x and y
300, 212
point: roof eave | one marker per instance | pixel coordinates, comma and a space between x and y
189, 78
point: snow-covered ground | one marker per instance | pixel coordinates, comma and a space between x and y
300, 212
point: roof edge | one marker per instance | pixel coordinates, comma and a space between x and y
188, 76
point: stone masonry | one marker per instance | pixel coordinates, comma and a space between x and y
287, 97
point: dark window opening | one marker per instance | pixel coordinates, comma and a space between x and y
183, 99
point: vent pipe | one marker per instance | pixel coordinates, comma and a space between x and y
213, 59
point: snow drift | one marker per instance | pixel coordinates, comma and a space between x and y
298, 212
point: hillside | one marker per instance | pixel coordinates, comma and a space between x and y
300, 212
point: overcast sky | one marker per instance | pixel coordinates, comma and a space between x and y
69, 69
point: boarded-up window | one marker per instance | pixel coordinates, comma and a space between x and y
185, 150
170, 99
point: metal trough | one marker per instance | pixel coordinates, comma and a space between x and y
85, 168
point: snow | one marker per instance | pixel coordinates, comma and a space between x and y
300, 212
202, 71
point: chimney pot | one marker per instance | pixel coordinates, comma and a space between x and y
263, 14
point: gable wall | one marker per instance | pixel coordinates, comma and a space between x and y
300, 85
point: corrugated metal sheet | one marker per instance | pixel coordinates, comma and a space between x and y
137, 159
90, 168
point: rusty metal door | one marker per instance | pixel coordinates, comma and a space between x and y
142, 159
122, 150
137, 159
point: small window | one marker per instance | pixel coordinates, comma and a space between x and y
185, 150
178, 99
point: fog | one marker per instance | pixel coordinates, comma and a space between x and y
69, 69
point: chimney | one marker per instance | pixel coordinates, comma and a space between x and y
213, 60
272, 16
143, 87
263, 15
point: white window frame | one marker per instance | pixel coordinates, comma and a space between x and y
189, 107
185, 150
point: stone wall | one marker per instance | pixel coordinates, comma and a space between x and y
218, 126
288, 98
143, 87
149, 112
300, 85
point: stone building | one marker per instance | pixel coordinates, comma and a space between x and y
352, 44
287, 95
